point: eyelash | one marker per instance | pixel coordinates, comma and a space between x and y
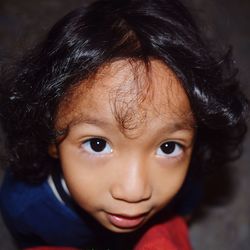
172, 149
100, 146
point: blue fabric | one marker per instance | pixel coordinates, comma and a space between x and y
31, 211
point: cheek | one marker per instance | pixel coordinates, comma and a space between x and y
86, 187
167, 182
85, 181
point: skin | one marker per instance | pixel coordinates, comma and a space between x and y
142, 157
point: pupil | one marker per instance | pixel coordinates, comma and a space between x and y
168, 147
98, 145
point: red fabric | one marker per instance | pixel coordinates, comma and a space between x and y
171, 235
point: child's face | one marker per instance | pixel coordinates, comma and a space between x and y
129, 143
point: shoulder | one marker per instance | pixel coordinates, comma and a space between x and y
17, 196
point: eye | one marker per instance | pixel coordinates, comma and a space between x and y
170, 149
96, 146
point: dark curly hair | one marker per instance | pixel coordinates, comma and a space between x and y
109, 30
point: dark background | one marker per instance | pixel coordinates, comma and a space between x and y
224, 221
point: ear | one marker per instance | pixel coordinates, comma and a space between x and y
53, 151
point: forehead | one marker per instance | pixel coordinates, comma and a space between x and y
130, 94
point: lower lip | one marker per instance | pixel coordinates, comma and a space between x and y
125, 222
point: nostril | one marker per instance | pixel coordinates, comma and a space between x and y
130, 194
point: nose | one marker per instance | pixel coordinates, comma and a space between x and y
131, 182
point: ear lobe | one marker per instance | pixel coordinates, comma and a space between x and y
52, 150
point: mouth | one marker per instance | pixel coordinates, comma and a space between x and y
126, 221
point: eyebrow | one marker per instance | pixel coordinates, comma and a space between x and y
186, 123
86, 119
81, 119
